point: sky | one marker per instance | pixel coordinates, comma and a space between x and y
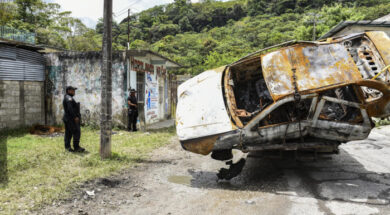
89, 11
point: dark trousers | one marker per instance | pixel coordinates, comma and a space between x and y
72, 129
132, 120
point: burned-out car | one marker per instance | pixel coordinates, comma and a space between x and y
294, 96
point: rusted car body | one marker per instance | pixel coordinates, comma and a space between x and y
294, 96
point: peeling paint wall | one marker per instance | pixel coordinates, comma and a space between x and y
84, 72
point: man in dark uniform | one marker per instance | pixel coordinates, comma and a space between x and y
72, 120
133, 111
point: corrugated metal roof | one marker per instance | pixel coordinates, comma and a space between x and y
21, 64
345, 24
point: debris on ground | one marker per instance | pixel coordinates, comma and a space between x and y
250, 202
90, 193
233, 171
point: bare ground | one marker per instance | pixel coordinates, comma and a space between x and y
173, 181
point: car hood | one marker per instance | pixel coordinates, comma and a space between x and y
201, 109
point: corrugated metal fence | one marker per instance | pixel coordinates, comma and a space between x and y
20, 64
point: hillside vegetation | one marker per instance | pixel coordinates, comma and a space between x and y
211, 33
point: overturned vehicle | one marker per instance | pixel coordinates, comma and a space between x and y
293, 96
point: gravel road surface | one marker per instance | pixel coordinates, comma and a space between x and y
173, 181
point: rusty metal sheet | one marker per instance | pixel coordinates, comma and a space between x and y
201, 109
382, 44
316, 66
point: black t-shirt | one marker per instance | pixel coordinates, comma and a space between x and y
133, 100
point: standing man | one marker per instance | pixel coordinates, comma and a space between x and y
133, 111
72, 121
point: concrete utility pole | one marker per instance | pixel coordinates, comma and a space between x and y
106, 82
128, 29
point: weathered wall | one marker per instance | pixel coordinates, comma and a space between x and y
84, 71
21, 103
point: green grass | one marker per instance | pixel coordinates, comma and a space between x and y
381, 122
40, 171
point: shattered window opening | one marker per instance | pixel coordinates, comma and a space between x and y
288, 113
250, 90
339, 112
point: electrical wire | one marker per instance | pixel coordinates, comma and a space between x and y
125, 8
128, 7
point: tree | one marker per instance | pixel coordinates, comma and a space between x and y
139, 44
256, 7
185, 24
8, 12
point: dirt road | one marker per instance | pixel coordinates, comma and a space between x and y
357, 181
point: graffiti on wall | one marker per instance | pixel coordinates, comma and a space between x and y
140, 66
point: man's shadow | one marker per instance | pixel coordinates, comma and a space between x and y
5, 135
3, 161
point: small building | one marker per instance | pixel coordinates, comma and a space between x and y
22, 70
350, 27
143, 70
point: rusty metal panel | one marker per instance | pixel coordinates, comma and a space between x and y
382, 44
316, 66
201, 109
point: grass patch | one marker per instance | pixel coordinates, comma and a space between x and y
39, 170
381, 122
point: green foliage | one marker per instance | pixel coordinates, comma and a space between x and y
200, 35
52, 27
139, 44
207, 39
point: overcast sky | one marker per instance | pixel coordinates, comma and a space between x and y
89, 11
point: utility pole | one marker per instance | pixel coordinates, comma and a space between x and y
314, 21
128, 29
314, 27
106, 82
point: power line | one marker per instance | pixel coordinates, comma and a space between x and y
124, 12
128, 7
125, 8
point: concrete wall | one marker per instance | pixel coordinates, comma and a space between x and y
21, 103
84, 72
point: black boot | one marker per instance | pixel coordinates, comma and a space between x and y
69, 149
79, 149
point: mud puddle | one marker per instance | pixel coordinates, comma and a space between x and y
180, 179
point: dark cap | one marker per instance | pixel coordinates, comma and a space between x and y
133, 91
70, 88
